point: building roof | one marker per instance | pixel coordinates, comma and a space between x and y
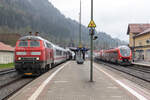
137, 28
4, 47
144, 32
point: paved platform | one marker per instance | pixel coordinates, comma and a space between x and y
142, 63
70, 81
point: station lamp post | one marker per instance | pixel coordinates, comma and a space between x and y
79, 58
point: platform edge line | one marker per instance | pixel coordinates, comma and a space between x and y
140, 97
35, 95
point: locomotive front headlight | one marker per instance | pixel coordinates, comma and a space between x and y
19, 58
37, 58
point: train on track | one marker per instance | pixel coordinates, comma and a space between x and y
121, 55
34, 55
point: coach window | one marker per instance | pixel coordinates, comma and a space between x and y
64, 53
61, 53
58, 52
23, 44
115, 53
48, 45
34, 43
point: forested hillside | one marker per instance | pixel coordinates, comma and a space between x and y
22, 16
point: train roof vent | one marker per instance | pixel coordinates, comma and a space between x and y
30, 38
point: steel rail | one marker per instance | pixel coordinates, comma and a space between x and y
127, 70
3, 72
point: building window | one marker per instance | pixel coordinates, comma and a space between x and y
147, 41
140, 43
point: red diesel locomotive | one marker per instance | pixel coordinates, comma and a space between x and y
121, 55
34, 55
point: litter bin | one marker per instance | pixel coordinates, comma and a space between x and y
79, 60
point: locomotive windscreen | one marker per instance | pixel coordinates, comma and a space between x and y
23, 44
34, 43
125, 52
31, 43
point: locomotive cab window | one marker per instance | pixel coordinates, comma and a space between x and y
34, 43
23, 44
125, 52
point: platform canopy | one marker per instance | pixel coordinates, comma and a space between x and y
78, 49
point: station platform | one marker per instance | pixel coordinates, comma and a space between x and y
70, 81
142, 63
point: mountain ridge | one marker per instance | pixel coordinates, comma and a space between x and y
22, 16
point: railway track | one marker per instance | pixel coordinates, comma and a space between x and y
141, 68
3, 72
17, 82
135, 71
11, 82
8, 89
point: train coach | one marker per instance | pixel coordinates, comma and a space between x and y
34, 55
121, 55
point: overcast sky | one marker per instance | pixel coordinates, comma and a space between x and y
110, 16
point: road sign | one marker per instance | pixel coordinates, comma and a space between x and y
92, 24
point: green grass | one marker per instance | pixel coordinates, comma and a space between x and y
10, 65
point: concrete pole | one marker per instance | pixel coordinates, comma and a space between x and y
91, 64
80, 25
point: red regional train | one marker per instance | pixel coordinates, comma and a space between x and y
121, 55
34, 55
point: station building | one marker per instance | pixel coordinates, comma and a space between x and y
139, 41
6, 53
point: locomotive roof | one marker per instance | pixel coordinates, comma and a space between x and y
31, 37
40, 38
123, 47
114, 49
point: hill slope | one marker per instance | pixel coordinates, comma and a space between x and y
22, 16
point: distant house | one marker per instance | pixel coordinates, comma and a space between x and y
6, 54
139, 41
9, 38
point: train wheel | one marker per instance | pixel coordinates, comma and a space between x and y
19, 72
52, 65
47, 67
42, 70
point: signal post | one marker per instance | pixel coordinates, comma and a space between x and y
91, 27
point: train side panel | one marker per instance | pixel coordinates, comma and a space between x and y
34, 55
121, 55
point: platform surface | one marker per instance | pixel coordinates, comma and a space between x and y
141, 63
72, 83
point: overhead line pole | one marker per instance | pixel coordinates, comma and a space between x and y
80, 25
80, 43
91, 64
91, 9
